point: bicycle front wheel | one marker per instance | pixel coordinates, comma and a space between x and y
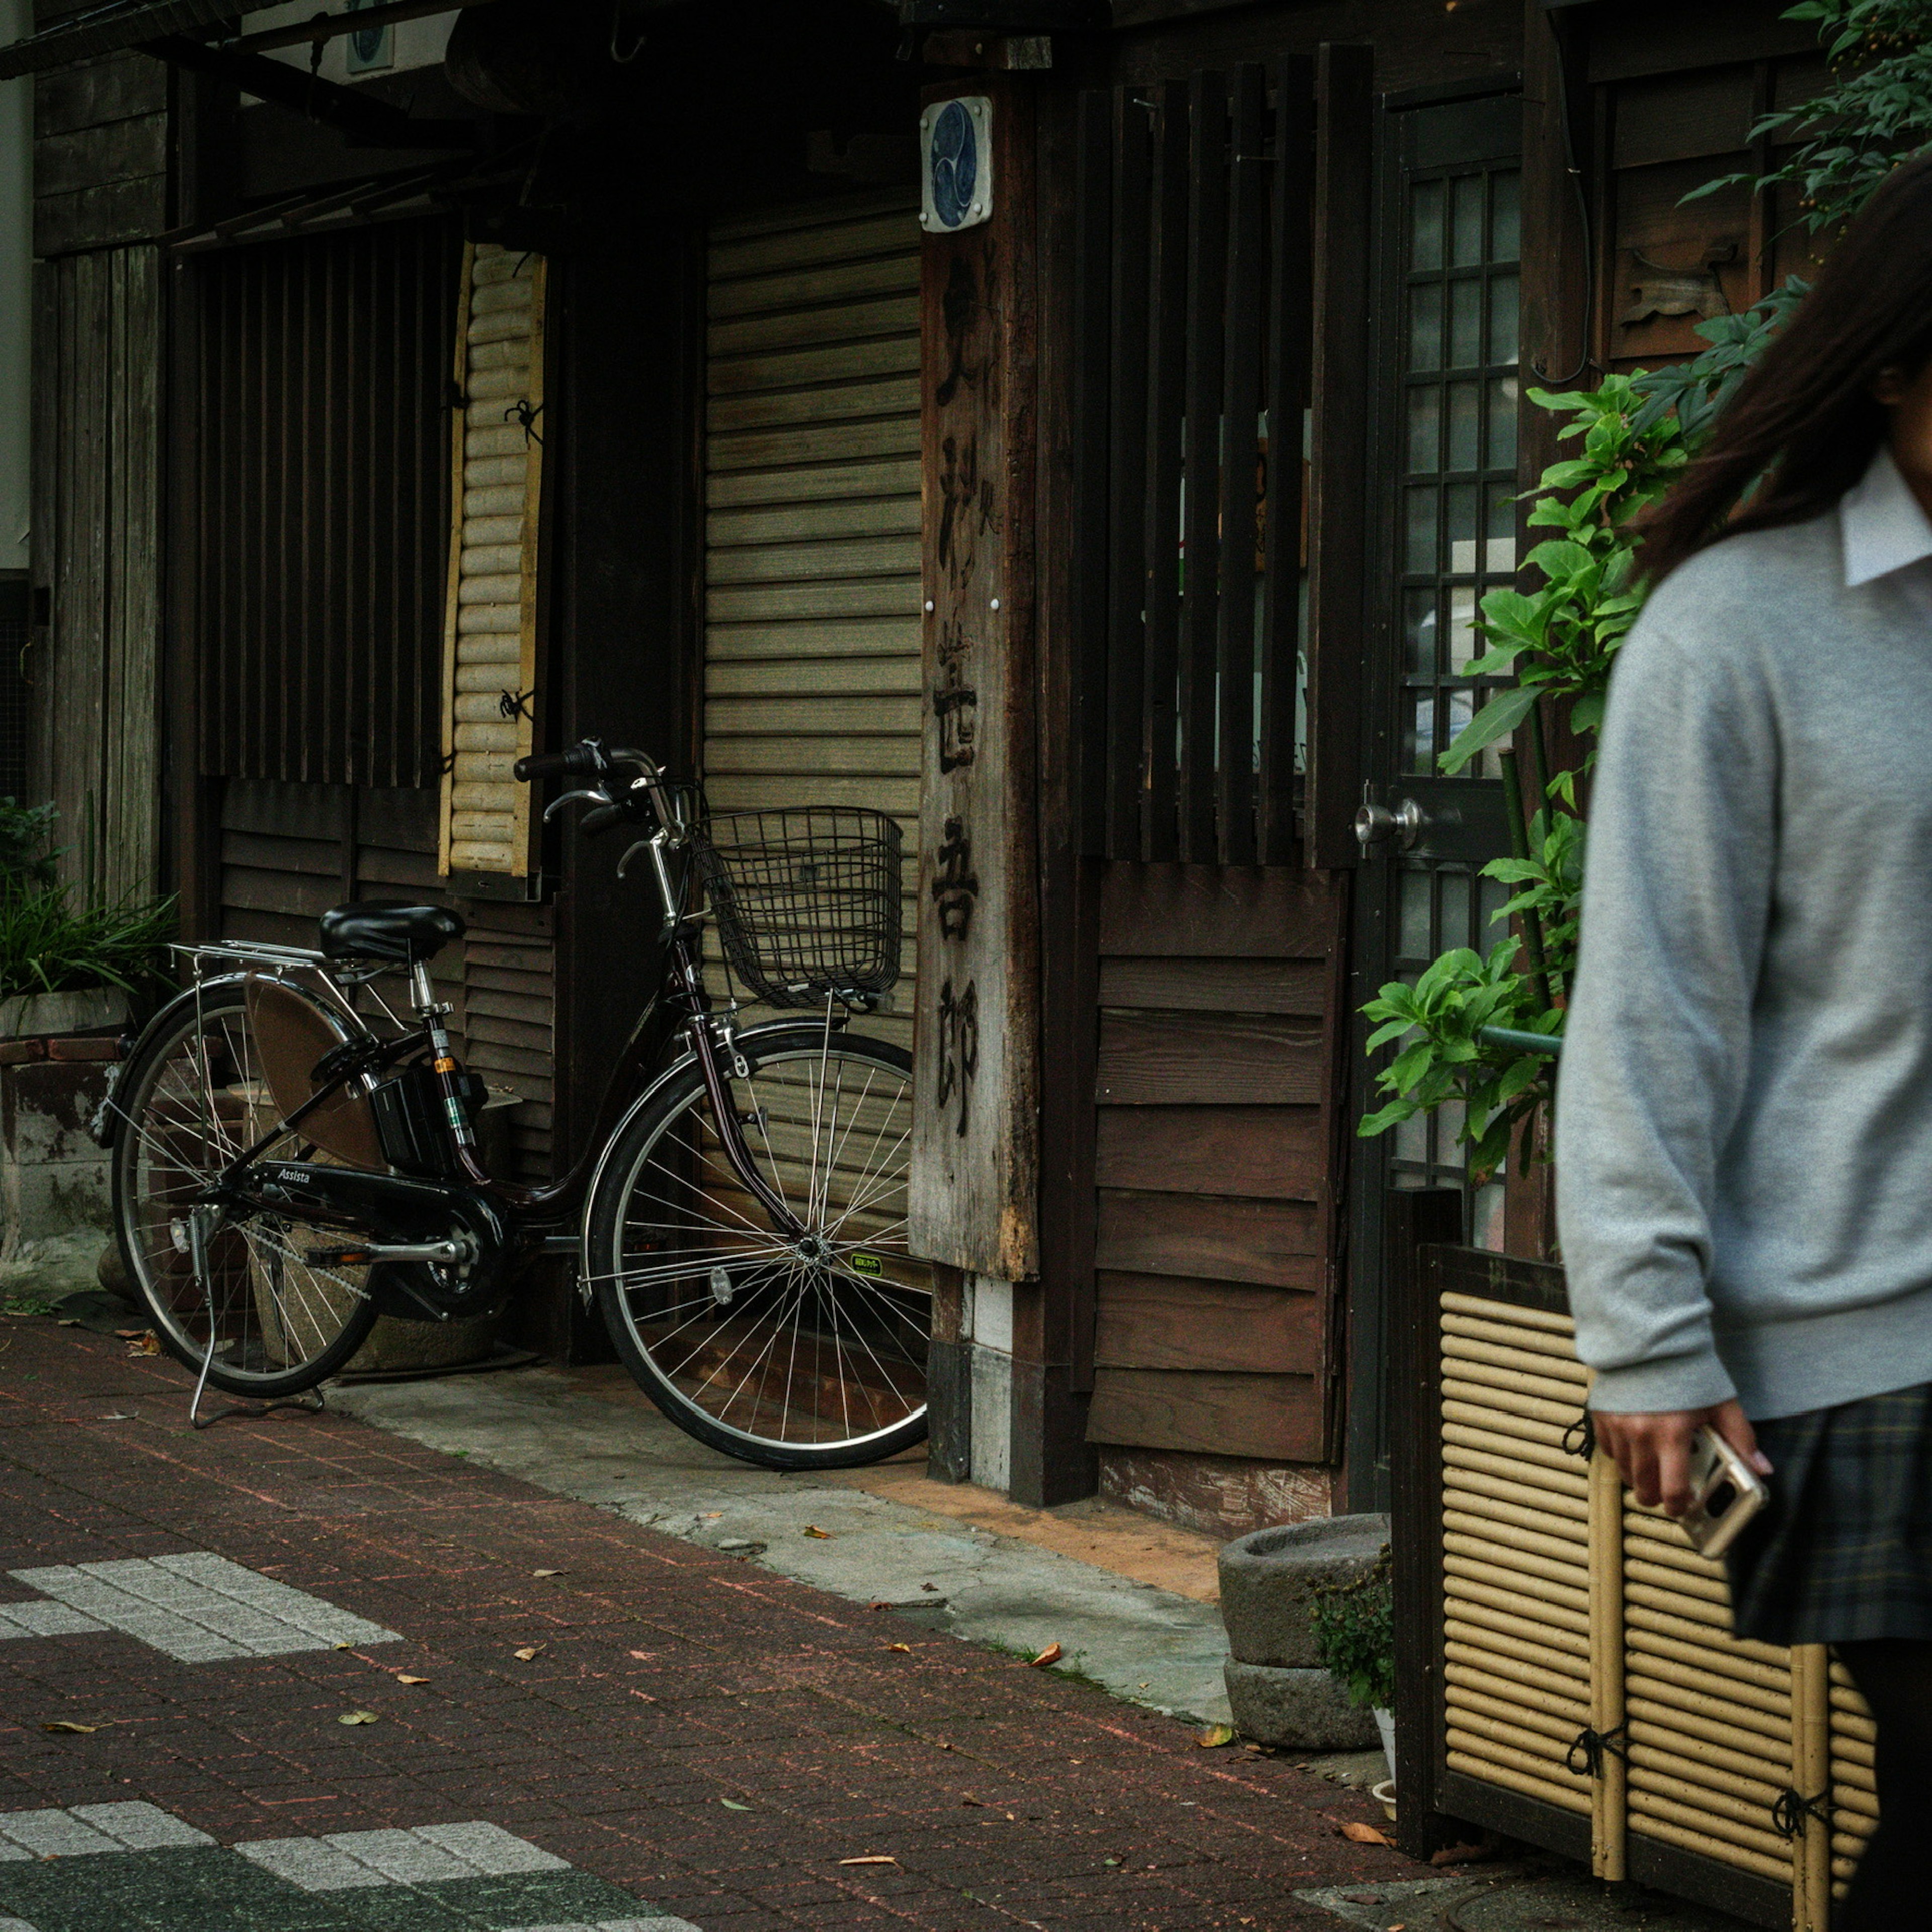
801, 1354
266, 1321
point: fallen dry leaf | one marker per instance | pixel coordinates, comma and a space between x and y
880, 1859
529, 1650
546, 1572
732, 1804
1052, 1654
1365, 1835
131, 1334
642, 1656
67, 1724
906, 1647
401, 1679
1459, 1855
1215, 1736
358, 1717
932, 1589
979, 1803
823, 1535
148, 1345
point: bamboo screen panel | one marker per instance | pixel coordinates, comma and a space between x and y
1516, 1556
1587, 1661
490, 615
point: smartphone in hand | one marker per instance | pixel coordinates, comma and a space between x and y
1726, 1493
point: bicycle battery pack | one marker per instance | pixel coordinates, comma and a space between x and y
411, 1124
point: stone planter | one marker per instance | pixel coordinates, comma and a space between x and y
93, 1008
1280, 1692
53, 1176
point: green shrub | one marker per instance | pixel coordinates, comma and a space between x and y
1355, 1635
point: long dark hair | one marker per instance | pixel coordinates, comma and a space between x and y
1804, 420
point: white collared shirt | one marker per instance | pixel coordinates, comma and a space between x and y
1885, 529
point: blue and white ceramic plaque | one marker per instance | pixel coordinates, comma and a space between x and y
956, 152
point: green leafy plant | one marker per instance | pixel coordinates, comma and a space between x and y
26, 834
1353, 1628
50, 944
1875, 111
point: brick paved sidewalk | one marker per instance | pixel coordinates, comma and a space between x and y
185, 1620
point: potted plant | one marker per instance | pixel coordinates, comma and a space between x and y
1353, 1626
69, 960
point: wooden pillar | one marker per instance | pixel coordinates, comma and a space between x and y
976, 1136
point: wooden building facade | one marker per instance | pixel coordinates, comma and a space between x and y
1116, 543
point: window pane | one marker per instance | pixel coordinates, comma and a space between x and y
1488, 1216
1465, 325
1491, 896
1449, 1117
1418, 631
1505, 221
1499, 544
1412, 1140
1503, 306
1503, 406
1418, 751
1425, 226
1425, 327
1418, 934
1455, 890
1466, 221
1460, 499
1466, 405
1425, 417
1464, 643
1419, 554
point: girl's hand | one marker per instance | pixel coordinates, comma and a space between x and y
1653, 1451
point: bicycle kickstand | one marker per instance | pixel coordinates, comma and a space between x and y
201, 1222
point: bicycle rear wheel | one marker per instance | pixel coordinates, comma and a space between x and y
267, 1321
797, 1355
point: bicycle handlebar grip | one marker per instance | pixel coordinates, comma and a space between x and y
601, 818
580, 761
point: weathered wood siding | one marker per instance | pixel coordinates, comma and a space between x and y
96, 554
100, 153
1215, 1161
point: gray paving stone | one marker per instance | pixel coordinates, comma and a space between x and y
401, 1857
44, 1619
283, 1602
139, 1826
54, 1834
96, 1596
15, 1925
490, 1850
310, 1864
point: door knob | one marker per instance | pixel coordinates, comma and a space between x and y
1377, 825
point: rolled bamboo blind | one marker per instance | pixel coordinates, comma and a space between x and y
490, 617
1587, 1658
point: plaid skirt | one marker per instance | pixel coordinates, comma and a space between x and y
1844, 1553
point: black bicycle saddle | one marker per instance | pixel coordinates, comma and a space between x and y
402, 934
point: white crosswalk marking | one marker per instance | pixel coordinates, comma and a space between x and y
197, 1607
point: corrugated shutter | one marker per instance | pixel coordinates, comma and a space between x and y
489, 633
812, 525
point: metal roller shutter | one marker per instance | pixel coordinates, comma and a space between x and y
812, 521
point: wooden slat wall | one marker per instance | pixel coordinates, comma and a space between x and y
290, 851
811, 676
1218, 1013
97, 347
319, 487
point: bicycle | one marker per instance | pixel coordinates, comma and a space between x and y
286, 1168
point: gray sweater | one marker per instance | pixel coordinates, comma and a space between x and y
1744, 1131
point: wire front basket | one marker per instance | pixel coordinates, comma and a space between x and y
807, 900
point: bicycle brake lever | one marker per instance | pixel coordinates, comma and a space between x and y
624, 863
557, 804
